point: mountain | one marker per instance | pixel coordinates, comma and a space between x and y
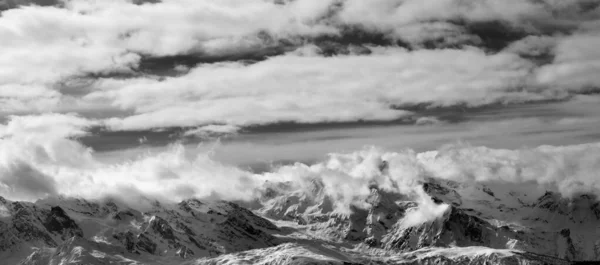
444, 222
77, 230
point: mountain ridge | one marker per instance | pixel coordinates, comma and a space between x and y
439, 222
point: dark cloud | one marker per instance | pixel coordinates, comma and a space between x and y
101, 139
23, 181
9, 4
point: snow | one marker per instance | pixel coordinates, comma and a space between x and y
474, 221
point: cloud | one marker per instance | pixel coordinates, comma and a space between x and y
29, 144
426, 211
39, 158
313, 89
312, 61
417, 21
575, 65
96, 37
46, 45
570, 169
212, 130
35, 165
20, 181
533, 46
9, 4
51, 125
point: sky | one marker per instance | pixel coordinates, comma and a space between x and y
255, 84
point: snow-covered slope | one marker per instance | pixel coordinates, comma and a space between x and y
306, 254
77, 250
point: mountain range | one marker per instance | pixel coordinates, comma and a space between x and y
457, 223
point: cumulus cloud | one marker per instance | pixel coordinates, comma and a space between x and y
39, 158
28, 143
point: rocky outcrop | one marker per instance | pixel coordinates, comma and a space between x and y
58, 222
566, 249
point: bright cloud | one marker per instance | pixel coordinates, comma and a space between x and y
103, 47
319, 89
575, 65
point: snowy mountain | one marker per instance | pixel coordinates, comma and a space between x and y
441, 222
80, 231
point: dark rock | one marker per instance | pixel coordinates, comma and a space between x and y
146, 244
162, 228
127, 239
57, 221
488, 191
24, 223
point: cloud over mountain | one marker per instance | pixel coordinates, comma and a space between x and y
35, 165
486, 110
